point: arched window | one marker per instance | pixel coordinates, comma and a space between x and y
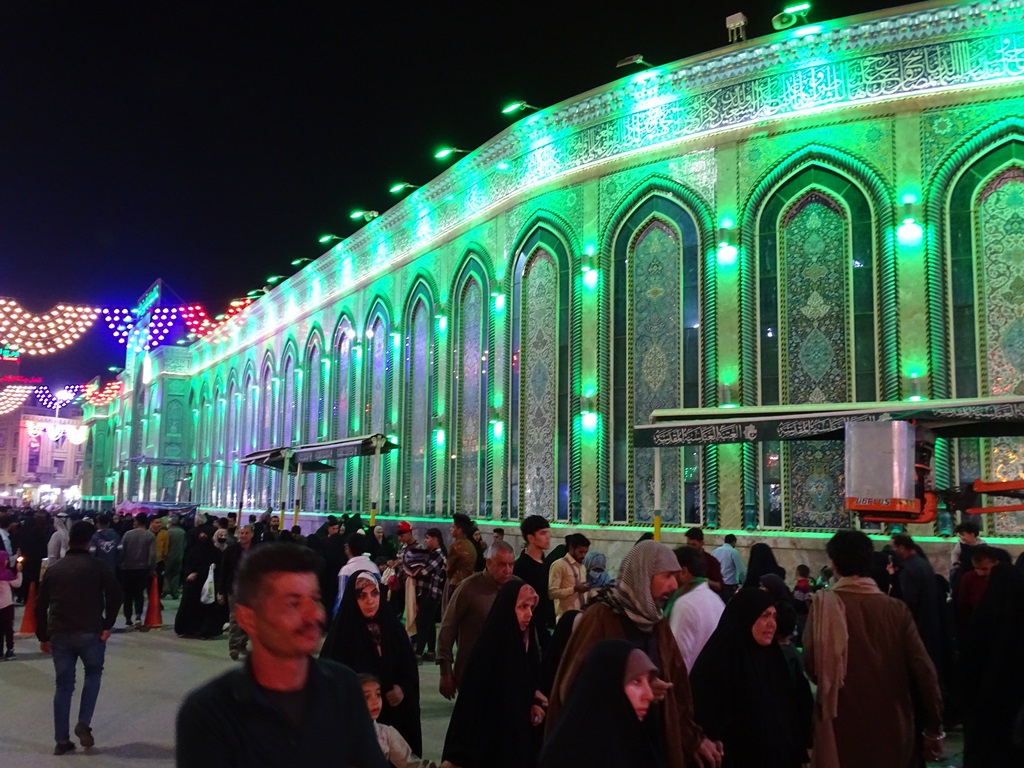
539, 403
470, 360
419, 398
377, 403
986, 240
656, 331
816, 266
345, 413
316, 426
266, 480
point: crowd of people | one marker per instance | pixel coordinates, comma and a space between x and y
686, 658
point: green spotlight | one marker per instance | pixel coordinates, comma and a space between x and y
444, 152
297, 262
517, 106
396, 188
274, 279
798, 8
327, 238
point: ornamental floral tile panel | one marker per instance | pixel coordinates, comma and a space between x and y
657, 347
539, 386
418, 392
472, 352
943, 129
1000, 247
814, 247
379, 384
872, 141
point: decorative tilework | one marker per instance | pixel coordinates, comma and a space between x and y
417, 392
539, 390
1000, 220
472, 350
657, 340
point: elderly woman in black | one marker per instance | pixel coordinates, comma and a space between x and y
498, 716
603, 721
366, 636
743, 693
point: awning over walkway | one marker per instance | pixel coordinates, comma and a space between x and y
975, 417
311, 456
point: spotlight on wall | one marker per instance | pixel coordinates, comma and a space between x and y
328, 238
364, 215
399, 186
517, 106
791, 16
444, 152
636, 58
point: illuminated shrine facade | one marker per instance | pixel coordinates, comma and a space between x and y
831, 215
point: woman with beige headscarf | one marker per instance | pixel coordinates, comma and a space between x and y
632, 610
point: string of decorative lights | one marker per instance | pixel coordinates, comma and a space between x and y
13, 396
24, 332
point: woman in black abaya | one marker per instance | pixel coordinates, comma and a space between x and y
762, 562
743, 693
366, 636
499, 713
196, 618
602, 720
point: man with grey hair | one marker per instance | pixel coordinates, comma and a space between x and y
633, 610
466, 612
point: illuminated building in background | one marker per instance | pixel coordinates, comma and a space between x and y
834, 213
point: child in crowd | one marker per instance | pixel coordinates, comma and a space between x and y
396, 750
10, 579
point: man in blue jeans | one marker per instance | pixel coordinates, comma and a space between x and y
77, 605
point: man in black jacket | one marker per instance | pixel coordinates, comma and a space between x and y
283, 707
233, 557
77, 605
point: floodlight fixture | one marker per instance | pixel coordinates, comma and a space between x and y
400, 185
328, 237
299, 261
517, 106
364, 215
636, 58
274, 279
444, 152
791, 15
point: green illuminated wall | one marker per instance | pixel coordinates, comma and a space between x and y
792, 219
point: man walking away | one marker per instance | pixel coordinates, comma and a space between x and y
734, 572
284, 707
138, 559
873, 673
76, 608
175, 557
106, 544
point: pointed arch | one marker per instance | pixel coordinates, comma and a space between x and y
543, 461
471, 349
345, 358
974, 216
377, 415
818, 321
659, 249
418, 367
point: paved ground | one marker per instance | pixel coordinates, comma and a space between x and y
146, 676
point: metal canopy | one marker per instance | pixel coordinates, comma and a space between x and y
310, 456
974, 417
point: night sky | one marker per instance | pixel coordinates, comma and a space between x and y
209, 143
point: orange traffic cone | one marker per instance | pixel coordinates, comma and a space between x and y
153, 615
28, 621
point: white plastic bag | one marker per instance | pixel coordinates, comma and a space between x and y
208, 596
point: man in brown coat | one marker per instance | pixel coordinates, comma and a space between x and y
862, 649
632, 610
